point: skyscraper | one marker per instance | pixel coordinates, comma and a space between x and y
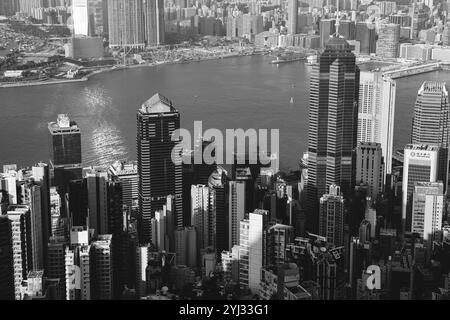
154, 22
65, 152
6, 260
432, 115
102, 268
331, 224
333, 117
370, 168
292, 16
327, 29
126, 23
258, 223
159, 176
421, 164
82, 18
388, 42
376, 112
201, 218
431, 122
428, 209
236, 211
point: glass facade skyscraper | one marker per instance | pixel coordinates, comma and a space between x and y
333, 120
159, 176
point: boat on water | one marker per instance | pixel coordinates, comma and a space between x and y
292, 100
288, 57
311, 60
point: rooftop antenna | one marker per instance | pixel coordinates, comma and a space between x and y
336, 25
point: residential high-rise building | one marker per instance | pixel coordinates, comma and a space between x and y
292, 16
9, 7
31, 199
159, 176
370, 168
331, 224
142, 257
333, 118
420, 164
126, 23
6, 260
252, 249
102, 271
236, 211
154, 22
278, 237
83, 22
376, 113
21, 245
202, 218
65, 152
388, 42
428, 209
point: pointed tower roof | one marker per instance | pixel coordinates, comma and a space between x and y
157, 104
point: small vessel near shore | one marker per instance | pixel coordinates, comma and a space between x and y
288, 57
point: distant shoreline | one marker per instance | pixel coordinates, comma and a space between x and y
110, 69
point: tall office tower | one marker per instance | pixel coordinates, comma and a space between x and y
186, 247
327, 29
56, 267
331, 223
432, 115
218, 186
333, 117
21, 246
366, 35
292, 16
236, 211
83, 22
446, 35
102, 271
420, 164
431, 122
127, 173
31, 198
154, 22
257, 225
159, 176
388, 42
142, 257
376, 113
202, 218
41, 176
96, 181
65, 152
428, 209
370, 168
126, 24
278, 237
77, 203
6, 259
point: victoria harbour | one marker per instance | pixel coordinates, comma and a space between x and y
245, 92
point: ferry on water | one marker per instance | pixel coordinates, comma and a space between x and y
288, 57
